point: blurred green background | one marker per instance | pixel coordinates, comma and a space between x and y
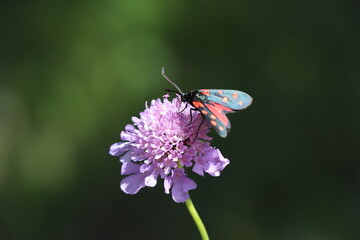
73, 73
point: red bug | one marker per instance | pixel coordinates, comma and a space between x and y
214, 104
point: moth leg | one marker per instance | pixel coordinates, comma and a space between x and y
199, 126
184, 108
191, 110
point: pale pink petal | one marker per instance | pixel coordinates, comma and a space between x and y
119, 148
133, 183
129, 168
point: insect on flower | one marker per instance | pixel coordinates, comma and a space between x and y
214, 104
158, 142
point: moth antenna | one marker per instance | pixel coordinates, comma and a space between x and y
172, 83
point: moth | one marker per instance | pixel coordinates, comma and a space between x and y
214, 104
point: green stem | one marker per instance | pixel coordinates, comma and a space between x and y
200, 225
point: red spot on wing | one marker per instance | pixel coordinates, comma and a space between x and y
218, 112
222, 107
204, 112
205, 91
197, 104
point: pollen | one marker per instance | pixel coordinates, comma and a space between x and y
212, 116
220, 92
225, 99
213, 122
235, 95
241, 103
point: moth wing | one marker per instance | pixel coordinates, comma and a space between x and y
233, 99
215, 116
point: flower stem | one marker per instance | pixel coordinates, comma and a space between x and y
200, 225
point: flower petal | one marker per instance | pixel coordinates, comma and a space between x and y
216, 163
119, 148
198, 168
129, 128
151, 179
178, 194
136, 120
133, 183
146, 167
126, 157
126, 136
129, 168
188, 184
168, 182
181, 185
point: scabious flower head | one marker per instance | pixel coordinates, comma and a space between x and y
161, 144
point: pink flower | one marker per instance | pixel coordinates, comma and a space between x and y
160, 143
